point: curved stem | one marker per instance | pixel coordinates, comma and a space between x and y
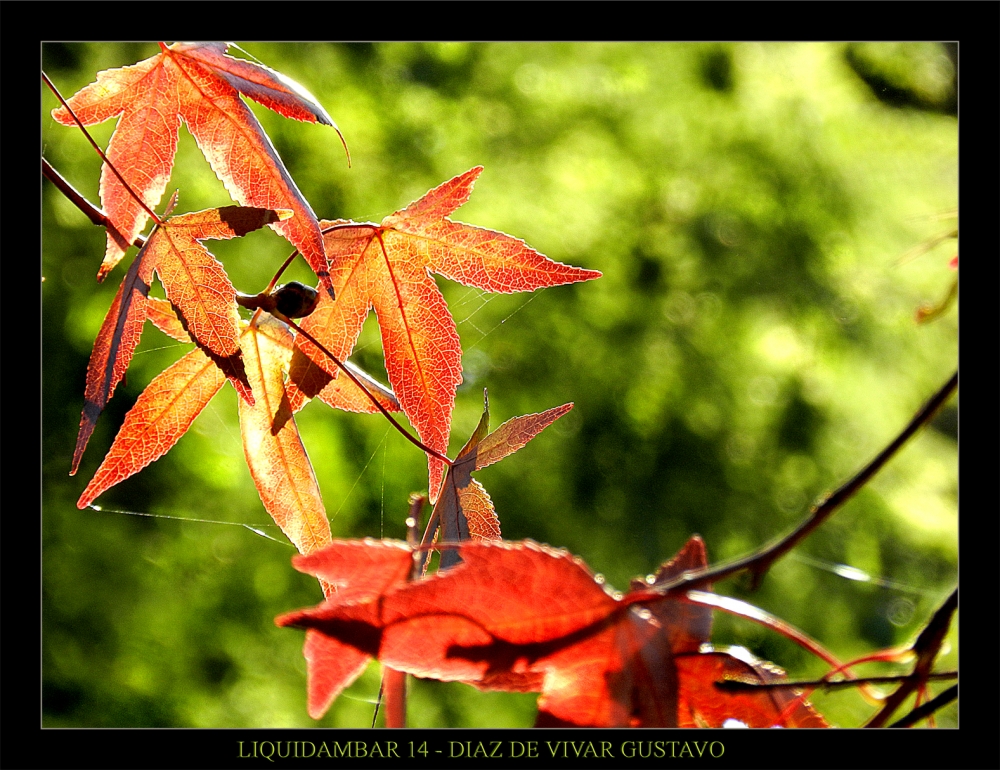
282, 269
354, 378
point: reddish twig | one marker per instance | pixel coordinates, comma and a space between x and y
926, 647
737, 685
92, 212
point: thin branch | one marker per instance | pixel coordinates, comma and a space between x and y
745, 610
92, 212
100, 152
736, 685
924, 711
926, 647
354, 378
758, 562
284, 266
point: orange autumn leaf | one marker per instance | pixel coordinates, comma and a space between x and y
525, 617
344, 394
387, 267
367, 569
196, 285
464, 509
277, 459
164, 410
196, 83
113, 349
279, 466
160, 416
164, 317
514, 434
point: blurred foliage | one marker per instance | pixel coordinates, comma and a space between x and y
751, 344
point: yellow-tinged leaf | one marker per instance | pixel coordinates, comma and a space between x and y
274, 451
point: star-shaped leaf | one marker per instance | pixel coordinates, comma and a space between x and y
196, 83
387, 267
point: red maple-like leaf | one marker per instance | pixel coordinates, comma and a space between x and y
388, 267
366, 569
525, 617
274, 451
197, 286
160, 416
199, 84
464, 509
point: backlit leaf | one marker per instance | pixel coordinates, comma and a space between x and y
198, 84
161, 415
275, 455
387, 267
521, 616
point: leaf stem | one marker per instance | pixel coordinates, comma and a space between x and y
758, 562
394, 689
742, 609
100, 152
277, 275
409, 437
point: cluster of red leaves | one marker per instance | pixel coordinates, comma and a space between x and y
497, 615
382, 267
518, 616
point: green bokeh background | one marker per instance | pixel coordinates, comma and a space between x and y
751, 344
